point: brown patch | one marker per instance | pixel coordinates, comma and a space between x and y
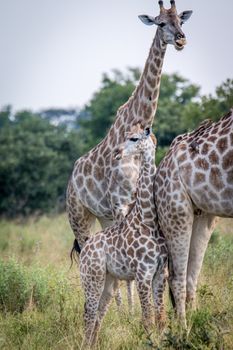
187, 172
151, 81
213, 157
205, 148
150, 245
90, 184
224, 131
140, 252
227, 161
212, 138
227, 193
135, 245
98, 174
201, 163
130, 252
153, 69
87, 169
231, 138
199, 178
222, 144
79, 181
216, 178
212, 195
182, 158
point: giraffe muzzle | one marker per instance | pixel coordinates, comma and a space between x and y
180, 43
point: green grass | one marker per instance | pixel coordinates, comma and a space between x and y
41, 300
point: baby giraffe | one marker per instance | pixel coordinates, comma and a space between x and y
134, 249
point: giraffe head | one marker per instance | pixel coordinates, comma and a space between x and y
136, 143
169, 24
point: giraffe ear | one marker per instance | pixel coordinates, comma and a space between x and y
148, 20
184, 16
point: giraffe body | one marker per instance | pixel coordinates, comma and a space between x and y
134, 249
193, 185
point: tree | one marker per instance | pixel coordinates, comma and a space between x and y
177, 94
36, 161
100, 112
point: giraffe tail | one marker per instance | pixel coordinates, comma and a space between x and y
75, 251
171, 295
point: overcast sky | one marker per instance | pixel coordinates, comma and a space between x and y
53, 52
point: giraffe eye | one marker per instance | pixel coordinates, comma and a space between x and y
134, 139
162, 24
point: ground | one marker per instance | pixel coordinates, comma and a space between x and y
41, 300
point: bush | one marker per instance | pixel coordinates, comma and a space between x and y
22, 288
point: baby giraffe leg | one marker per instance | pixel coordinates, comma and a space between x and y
158, 288
130, 295
110, 288
144, 292
93, 292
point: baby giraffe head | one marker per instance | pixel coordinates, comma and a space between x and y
169, 24
136, 143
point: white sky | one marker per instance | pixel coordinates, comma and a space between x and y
53, 52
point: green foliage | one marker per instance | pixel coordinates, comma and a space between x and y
38, 150
22, 288
176, 95
36, 161
101, 110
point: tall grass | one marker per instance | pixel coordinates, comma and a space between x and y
41, 300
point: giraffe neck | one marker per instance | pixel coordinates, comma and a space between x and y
141, 106
144, 208
144, 99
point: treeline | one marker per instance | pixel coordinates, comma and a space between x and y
38, 150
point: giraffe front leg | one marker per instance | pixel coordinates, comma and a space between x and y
203, 227
178, 253
144, 293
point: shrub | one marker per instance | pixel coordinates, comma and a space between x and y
22, 288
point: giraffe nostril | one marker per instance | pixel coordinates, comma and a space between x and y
180, 36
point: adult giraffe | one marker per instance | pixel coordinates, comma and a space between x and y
102, 189
193, 185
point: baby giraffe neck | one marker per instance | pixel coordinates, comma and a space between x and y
145, 205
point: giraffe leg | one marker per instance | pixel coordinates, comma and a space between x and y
130, 295
118, 297
178, 242
158, 288
203, 227
80, 218
110, 287
144, 293
93, 274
